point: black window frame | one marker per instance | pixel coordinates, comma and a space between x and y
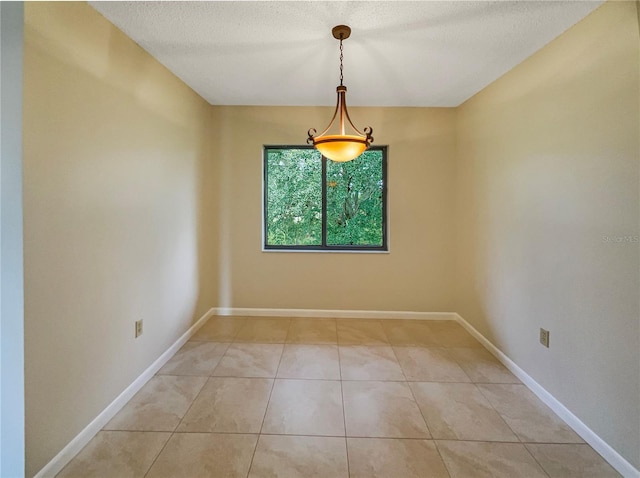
324, 246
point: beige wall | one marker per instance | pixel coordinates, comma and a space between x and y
548, 160
140, 201
117, 214
416, 275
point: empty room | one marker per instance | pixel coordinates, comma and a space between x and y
218, 261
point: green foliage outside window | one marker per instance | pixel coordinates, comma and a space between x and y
353, 203
294, 192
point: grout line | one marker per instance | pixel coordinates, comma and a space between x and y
413, 395
403, 374
536, 460
346, 436
422, 414
191, 404
432, 439
497, 442
224, 354
360, 344
384, 332
334, 379
446, 467
512, 430
180, 375
159, 453
217, 340
266, 408
499, 414
344, 413
453, 359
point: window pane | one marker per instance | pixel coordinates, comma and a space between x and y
294, 197
354, 201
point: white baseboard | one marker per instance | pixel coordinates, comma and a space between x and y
616, 460
68, 452
80, 441
335, 314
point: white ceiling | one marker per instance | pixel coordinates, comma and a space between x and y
419, 53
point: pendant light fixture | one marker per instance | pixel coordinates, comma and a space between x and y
341, 147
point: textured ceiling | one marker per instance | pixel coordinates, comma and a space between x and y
428, 53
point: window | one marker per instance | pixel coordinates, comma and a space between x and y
311, 203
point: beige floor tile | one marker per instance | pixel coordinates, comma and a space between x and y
300, 457
527, 416
195, 358
304, 410
219, 329
234, 405
312, 331
382, 409
115, 454
429, 364
449, 333
305, 407
159, 405
571, 461
358, 362
394, 458
269, 331
250, 360
361, 332
205, 455
481, 366
459, 411
473, 459
408, 332
310, 361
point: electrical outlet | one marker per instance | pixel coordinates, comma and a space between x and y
138, 328
544, 337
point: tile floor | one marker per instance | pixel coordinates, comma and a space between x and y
272, 397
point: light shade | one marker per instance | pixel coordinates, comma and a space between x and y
341, 147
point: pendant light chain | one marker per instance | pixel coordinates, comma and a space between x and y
341, 56
343, 146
